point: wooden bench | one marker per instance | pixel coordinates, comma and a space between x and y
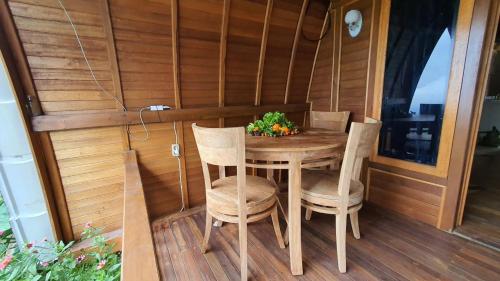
138, 254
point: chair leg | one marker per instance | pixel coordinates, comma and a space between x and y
308, 214
208, 228
340, 229
276, 226
243, 249
355, 224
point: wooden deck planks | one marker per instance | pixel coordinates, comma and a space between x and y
391, 248
482, 210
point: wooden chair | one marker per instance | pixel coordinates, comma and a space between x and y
237, 199
341, 193
336, 121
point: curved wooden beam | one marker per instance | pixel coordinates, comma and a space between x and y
263, 48
318, 46
222, 55
294, 49
175, 52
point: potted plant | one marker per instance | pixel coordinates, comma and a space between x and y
272, 124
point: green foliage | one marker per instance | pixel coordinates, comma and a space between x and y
47, 260
272, 124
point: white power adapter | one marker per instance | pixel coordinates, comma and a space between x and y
159, 107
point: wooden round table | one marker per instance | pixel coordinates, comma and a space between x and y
308, 147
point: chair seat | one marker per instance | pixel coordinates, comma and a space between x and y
321, 187
223, 197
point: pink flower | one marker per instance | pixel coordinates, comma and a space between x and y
44, 264
101, 264
1, 232
88, 225
30, 245
6, 261
80, 258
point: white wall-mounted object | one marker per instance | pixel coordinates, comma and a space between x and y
354, 21
20, 183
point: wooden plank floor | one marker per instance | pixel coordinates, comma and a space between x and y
482, 213
391, 248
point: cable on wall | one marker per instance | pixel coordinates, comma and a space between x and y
94, 78
150, 108
181, 188
328, 27
86, 59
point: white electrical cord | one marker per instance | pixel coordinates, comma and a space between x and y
181, 189
143, 125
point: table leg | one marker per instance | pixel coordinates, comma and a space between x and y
294, 221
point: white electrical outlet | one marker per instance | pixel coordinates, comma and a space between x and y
175, 150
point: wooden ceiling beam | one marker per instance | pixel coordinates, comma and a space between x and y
318, 46
175, 52
263, 48
106, 119
114, 67
296, 39
222, 55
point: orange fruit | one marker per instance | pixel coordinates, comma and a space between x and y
276, 127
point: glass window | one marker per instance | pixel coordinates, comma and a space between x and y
417, 70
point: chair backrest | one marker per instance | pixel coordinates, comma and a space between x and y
361, 138
336, 121
222, 147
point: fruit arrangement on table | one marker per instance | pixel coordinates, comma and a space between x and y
272, 124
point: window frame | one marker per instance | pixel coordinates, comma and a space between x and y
463, 24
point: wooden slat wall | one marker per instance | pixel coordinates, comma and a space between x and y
144, 47
130, 47
194, 174
245, 26
59, 71
354, 63
89, 160
412, 197
200, 27
313, 22
279, 46
348, 63
91, 166
246, 22
304, 57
